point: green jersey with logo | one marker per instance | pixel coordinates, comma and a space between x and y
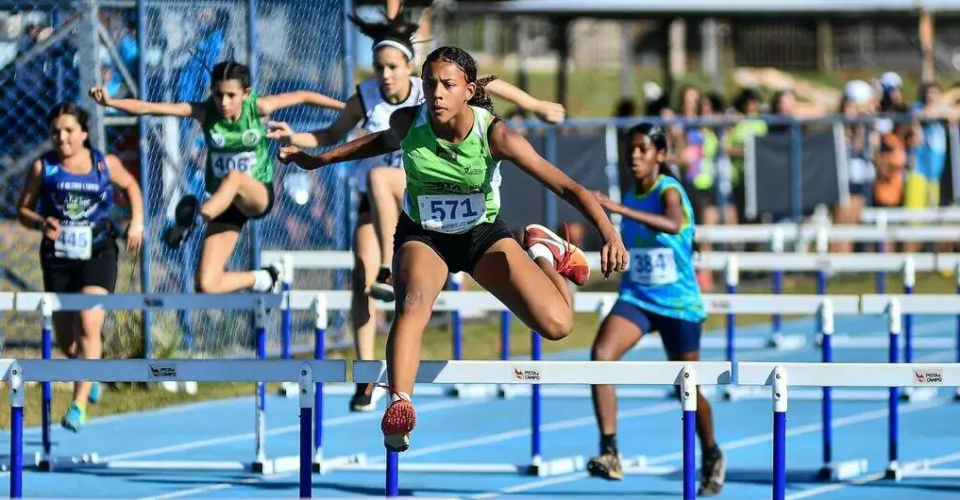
239, 145
451, 188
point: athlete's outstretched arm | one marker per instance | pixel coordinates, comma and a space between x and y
370, 145
509, 145
349, 118
269, 104
548, 111
367, 146
138, 107
670, 222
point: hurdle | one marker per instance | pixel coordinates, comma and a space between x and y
306, 373
895, 305
782, 376
47, 304
732, 263
688, 376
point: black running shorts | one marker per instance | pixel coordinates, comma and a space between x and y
460, 251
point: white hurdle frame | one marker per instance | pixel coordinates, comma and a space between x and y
48, 303
732, 264
17, 372
688, 376
781, 376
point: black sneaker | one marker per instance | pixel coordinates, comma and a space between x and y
365, 398
185, 221
713, 470
606, 466
383, 288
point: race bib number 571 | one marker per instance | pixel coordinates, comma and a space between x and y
451, 213
653, 266
74, 242
223, 163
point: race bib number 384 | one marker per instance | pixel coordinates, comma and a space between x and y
653, 266
74, 242
242, 162
451, 213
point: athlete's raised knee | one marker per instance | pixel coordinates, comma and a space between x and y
603, 351
556, 325
412, 301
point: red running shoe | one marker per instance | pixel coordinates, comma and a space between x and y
397, 424
568, 260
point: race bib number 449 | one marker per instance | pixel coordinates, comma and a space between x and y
223, 163
451, 213
653, 267
75, 242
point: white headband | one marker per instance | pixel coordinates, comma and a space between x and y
397, 45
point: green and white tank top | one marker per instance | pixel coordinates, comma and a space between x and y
239, 145
451, 188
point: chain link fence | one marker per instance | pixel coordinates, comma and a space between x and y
290, 44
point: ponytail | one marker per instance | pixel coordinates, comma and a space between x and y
468, 65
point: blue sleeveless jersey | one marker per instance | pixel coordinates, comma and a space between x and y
82, 203
661, 278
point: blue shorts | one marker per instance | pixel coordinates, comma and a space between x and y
679, 336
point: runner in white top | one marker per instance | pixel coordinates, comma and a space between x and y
379, 180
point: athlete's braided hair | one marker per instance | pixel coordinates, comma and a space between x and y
395, 30
231, 70
468, 65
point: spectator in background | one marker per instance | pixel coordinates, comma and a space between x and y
857, 101
782, 105
896, 141
747, 105
922, 189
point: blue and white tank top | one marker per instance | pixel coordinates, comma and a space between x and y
377, 112
82, 204
661, 278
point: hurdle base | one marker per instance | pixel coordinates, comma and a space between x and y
640, 466
786, 342
847, 341
921, 469
324, 465
549, 468
842, 471
513, 391
92, 461
919, 394
743, 393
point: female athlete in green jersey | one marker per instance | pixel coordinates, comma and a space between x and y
452, 145
380, 181
239, 170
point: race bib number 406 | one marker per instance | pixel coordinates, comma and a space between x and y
75, 242
223, 163
653, 267
451, 213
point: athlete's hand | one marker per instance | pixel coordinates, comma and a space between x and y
287, 154
100, 95
605, 201
51, 228
134, 237
279, 131
550, 111
613, 255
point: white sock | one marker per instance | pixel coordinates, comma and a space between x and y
541, 250
263, 281
395, 396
